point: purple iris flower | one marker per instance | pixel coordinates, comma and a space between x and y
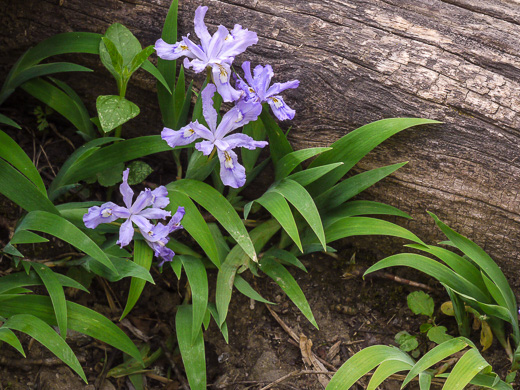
217, 52
157, 237
257, 89
138, 212
231, 172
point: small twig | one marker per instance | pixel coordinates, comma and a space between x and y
48, 161
53, 128
158, 377
48, 362
98, 384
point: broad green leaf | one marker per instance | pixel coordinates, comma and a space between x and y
245, 288
486, 263
40, 331
26, 237
179, 95
192, 352
19, 279
139, 170
80, 318
469, 365
56, 293
406, 341
438, 335
303, 202
198, 279
223, 328
46, 222
222, 246
290, 161
59, 101
457, 263
309, 175
360, 207
8, 121
116, 59
385, 370
433, 268
285, 258
71, 42
111, 176
114, 110
110, 155
199, 166
355, 145
255, 130
278, 142
143, 256
420, 303
491, 381
125, 268
193, 222
150, 68
125, 42
364, 226
260, 235
459, 310
286, 281
435, 355
425, 381
74, 158
352, 186
21, 191
44, 70
87, 130
218, 207
14, 154
10, 338
140, 58
276, 204
363, 362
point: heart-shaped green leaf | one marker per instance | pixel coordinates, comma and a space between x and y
114, 110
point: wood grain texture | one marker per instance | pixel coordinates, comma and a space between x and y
358, 61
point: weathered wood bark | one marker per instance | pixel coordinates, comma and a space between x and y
358, 61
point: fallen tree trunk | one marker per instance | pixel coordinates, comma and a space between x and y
359, 61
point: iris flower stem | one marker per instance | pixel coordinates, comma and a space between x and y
212, 154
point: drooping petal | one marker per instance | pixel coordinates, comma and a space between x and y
155, 213
202, 131
216, 43
156, 233
186, 135
276, 88
196, 50
249, 112
142, 223
240, 140
99, 214
242, 39
263, 76
121, 212
125, 189
144, 199
164, 254
200, 27
249, 93
175, 221
196, 64
167, 51
160, 197
221, 74
126, 233
209, 112
231, 172
246, 67
206, 147
281, 110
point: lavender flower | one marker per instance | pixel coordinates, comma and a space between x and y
157, 237
217, 52
137, 212
231, 172
258, 89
